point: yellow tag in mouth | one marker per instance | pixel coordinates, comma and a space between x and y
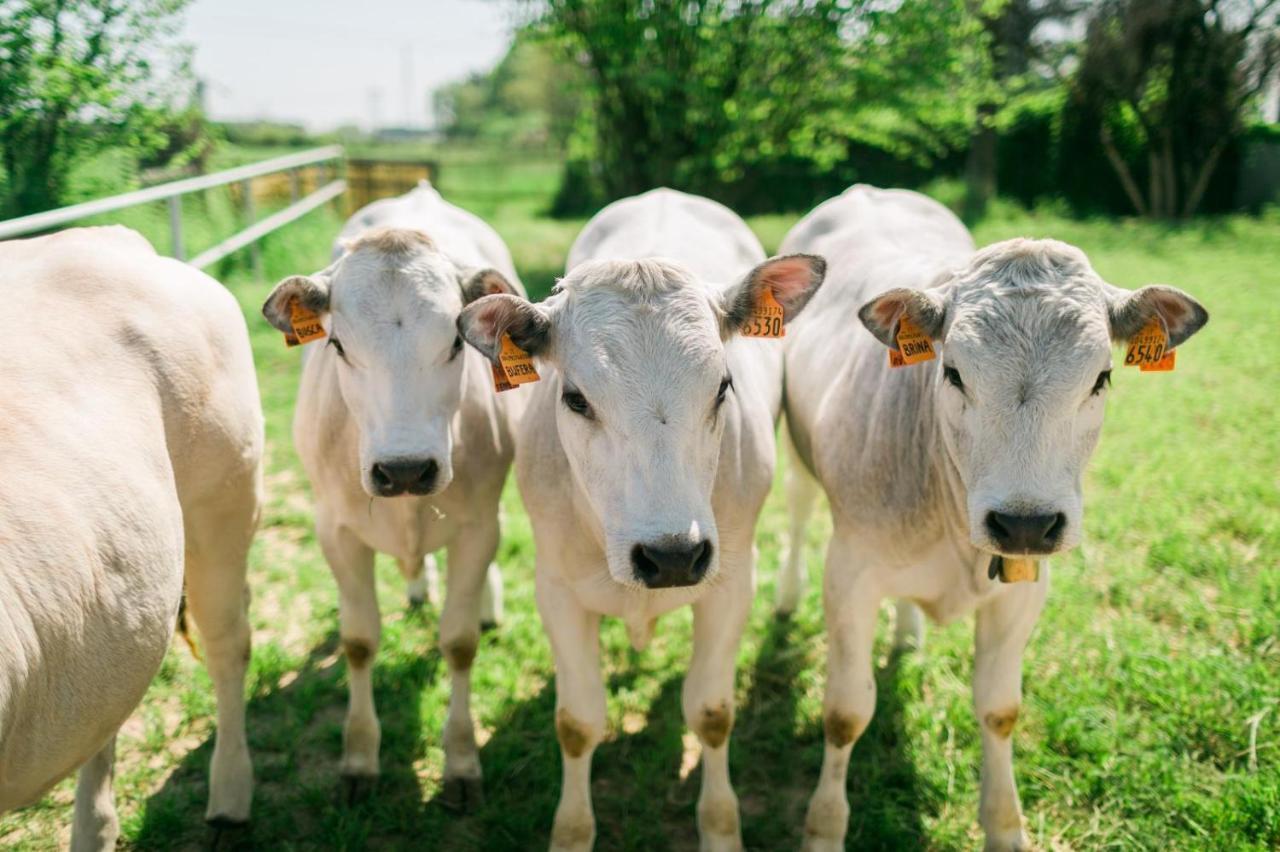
306, 324
766, 317
514, 367
1014, 570
1149, 349
914, 345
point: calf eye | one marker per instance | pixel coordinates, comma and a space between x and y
952, 375
577, 403
457, 347
725, 384
1103, 382
337, 346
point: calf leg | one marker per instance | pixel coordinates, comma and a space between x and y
491, 601
851, 598
95, 826
422, 581
908, 627
574, 633
802, 494
217, 552
1003, 626
360, 626
469, 558
718, 621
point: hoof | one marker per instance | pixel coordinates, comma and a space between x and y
462, 795
416, 603
783, 615
354, 789
488, 626
227, 833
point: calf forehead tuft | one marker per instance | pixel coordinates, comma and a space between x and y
398, 241
650, 277
1024, 264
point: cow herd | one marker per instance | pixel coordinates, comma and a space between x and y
944, 399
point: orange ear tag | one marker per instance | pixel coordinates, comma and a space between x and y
306, 324
914, 345
1149, 349
516, 366
766, 317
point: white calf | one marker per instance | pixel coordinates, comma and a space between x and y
937, 471
644, 458
131, 443
405, 443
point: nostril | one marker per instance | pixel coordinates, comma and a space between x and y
1055, 530
380, 476
998, 531
427, 477
701, 559
646, 569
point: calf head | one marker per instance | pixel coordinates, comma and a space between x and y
644, 391
1025, 332
390, 305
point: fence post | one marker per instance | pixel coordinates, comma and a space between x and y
175, 228
255, 254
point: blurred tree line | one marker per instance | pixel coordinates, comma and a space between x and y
1114, 106
82, 77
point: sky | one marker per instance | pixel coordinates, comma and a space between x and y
323, 64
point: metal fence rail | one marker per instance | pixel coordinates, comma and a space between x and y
173, 192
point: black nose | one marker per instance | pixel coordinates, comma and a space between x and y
663, 566
1026, 533
416, 476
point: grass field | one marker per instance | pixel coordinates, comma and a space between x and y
1152, 710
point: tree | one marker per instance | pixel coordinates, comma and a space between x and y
682, 89
1182, 74
77, 76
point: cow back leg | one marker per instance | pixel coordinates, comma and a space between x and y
1004, 625
422, 581
574, 633
95, 826
360, 628
470, 554
851, 599
802, 495
708, 694
217, 551
491, 602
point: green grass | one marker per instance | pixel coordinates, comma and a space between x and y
1158, 646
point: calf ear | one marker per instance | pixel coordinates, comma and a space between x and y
478, 283
883, 314
311, 290
791, 280
1128, 311
484, 321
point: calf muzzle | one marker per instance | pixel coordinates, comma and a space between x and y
669, 565
401, 476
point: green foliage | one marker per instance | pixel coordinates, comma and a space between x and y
78, 77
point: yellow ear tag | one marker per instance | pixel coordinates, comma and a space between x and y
914, 345
1019, 570
306, 324
766, 317
516, 366
1149, 349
